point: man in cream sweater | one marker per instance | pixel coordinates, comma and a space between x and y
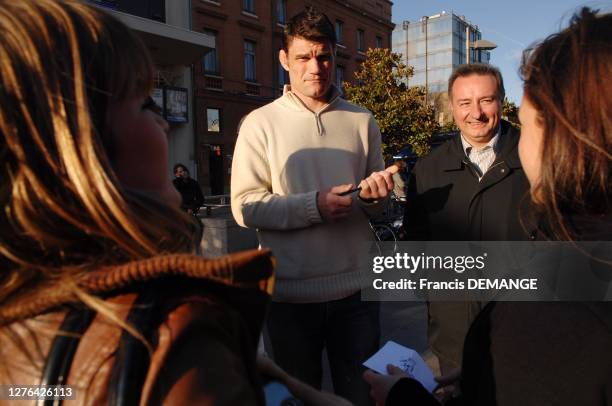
294, 159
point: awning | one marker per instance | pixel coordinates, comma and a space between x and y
168, 44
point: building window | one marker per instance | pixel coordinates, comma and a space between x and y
360, 40
339, 76
211, 58
339, 25
248, 6
379, 43
281, 11
213, 118
249, 61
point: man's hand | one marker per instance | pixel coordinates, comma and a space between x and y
448, 385
380, 385
378, 185
333, 207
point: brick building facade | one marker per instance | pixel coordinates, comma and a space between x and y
243, 72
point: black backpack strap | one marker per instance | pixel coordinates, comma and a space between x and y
64, 346
132, 359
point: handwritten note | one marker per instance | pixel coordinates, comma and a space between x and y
405, 358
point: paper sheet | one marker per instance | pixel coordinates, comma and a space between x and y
405, 358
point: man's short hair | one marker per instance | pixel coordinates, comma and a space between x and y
180, 165
309, 24
482, 69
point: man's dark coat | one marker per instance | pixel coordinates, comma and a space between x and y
446, 202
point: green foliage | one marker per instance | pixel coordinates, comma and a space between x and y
449, 127
401, 112
510, 112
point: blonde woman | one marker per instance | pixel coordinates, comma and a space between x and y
98, 290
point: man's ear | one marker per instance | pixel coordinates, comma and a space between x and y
283, 59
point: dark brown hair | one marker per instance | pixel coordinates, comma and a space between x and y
567, 80
309, 24
180, 165
481, 69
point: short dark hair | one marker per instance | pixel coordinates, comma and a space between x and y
179, 165
310, 24
481, 69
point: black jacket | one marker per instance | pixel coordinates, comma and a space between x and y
446, 202
531, 354
190, 191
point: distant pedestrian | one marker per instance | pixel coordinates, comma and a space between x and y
189, 188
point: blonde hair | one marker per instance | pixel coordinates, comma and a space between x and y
63, 210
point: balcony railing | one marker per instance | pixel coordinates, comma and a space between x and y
253, 88
213, 82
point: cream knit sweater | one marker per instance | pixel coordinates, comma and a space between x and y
284, 155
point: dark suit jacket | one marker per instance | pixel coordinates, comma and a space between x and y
446, 202
190, 191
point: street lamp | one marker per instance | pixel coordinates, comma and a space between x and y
424, 21
482, 45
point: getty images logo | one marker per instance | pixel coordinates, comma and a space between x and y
413, 263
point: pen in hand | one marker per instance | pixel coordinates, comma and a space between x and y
348, 192
392, 169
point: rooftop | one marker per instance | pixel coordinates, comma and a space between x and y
443, 13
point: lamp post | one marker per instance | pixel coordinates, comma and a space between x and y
482, 45
424, 21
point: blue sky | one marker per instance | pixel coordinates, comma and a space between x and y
512, 24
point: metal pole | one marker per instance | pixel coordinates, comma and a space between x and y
467, 43
425, 21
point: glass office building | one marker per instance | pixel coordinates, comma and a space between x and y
435, 45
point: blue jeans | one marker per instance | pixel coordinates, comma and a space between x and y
348, 328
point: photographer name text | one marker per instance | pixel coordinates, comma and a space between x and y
404, 262
469, 284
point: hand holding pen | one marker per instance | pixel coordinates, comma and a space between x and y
335, 203
376, 186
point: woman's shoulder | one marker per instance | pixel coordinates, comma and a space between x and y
200, 318
196, 344
551, 352
561, 314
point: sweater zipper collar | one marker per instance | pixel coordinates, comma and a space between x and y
320, 128
317, 115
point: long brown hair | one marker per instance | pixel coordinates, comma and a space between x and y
567, 79
63, 210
